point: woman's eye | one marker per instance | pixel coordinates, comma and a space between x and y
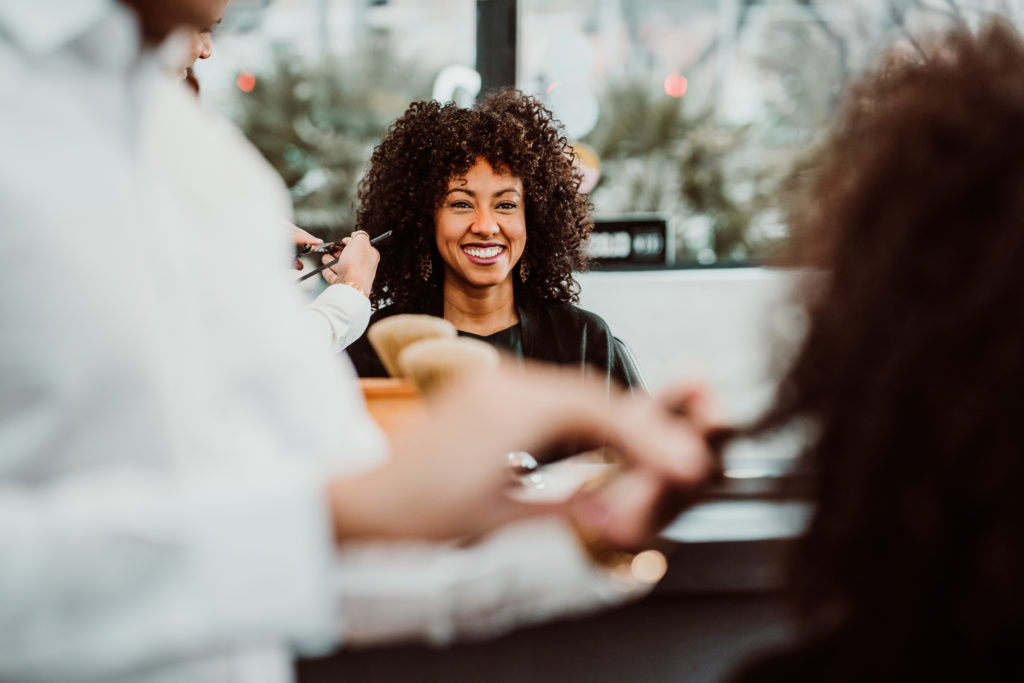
460, 204
507, 206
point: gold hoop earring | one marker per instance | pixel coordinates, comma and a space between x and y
426, 267
524, 270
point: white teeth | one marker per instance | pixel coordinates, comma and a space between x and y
489, 252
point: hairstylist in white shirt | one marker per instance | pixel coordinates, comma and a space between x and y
339, 314
184, 477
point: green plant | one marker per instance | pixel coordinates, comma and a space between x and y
317, 123
693, 169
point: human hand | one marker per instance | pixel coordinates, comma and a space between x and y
449, 478
626, 511
301, 238
357, 264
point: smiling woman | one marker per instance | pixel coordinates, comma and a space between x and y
481, 230
488, 226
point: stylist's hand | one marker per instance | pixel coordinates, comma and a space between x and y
448, 476
301, 238
628, 511
357, 264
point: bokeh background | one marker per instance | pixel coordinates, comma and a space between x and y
695, 112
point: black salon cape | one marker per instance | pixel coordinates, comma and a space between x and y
554, 332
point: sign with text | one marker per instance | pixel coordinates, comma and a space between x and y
629, 243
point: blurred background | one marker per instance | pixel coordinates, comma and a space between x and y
688, 113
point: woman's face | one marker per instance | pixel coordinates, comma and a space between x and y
201, 45
201, 32
481, 227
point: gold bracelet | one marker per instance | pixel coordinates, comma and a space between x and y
356, 287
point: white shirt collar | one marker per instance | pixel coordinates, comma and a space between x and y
44, 26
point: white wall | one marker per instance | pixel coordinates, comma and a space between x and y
721, 326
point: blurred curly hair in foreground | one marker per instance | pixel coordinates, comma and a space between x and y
911, 377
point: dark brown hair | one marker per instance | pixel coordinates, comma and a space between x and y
432, 143
911, 377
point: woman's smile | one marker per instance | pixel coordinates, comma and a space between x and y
483, 254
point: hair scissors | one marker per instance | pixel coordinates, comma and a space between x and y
330, 248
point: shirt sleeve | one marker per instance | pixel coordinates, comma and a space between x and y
420, 592
339, 316
166, 564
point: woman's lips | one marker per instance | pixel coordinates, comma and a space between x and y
483, 254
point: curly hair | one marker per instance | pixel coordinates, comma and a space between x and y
430, 144
911, 375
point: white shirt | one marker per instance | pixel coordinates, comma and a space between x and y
338, 315
165, 436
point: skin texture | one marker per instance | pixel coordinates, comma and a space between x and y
428, 147
484, 209
200, 44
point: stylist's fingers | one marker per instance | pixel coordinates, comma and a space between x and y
559, 407
648, 436
629, 510
300, 236
693, 401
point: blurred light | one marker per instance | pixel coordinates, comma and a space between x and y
588, 164
576, 106
741, 473
675, 85
246, 81
649, 566
552, 87
457, 83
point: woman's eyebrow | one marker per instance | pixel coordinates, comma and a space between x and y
471, 193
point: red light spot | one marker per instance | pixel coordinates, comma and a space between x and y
553, 86
675, 85
246, 81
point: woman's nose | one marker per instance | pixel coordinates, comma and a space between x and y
207, 50
485, 224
